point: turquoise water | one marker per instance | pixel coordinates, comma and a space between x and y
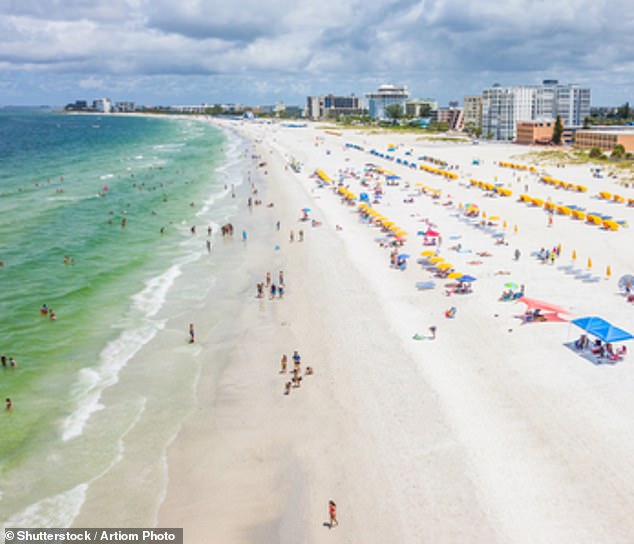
95, 216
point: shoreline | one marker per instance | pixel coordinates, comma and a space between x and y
481, 435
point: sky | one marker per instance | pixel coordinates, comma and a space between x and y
168, 52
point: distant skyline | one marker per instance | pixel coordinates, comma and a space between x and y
160, 52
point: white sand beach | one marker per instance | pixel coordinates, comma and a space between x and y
494, 432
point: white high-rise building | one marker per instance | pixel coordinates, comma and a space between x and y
502, 107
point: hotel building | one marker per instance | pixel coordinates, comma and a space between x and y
321, 107
385, 96
606, 138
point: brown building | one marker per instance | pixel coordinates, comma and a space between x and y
606, 138
454, 117
535, 132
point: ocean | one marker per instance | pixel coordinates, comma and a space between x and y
96, 217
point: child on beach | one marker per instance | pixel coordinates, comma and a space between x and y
284, 361
191, 333
332, 512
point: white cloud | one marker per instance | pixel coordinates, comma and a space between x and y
91, 82
324, 44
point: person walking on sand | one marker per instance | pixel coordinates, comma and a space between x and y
284, 362
332, 513
432, 330
191, 333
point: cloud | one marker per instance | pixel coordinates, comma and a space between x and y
431, 45
91, 83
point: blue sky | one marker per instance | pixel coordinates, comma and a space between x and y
261, 51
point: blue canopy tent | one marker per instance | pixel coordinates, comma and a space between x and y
600, 328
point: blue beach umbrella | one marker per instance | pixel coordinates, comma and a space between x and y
600, 328
466, 278
403, 256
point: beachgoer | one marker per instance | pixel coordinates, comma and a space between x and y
291, 237
12, 362
301, 235
260, 290
280, 291
244, 235
8, 403
332, 512
273, 291
432, 330
191, 333
268, 279
297, 359
284, 362
52, 315
209, 230
44, 309
287, 388
309, 371
277, 226
4, 360
281, 277
208, 246
517, 254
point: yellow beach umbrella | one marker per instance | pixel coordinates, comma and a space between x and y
436, 260
394, 228
427, 253
455, 275
444, 266
400, 233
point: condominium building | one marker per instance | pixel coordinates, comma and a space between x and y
103, 105
320, 107
385, 96
473, 111
570, 102
502, 107
124, 106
